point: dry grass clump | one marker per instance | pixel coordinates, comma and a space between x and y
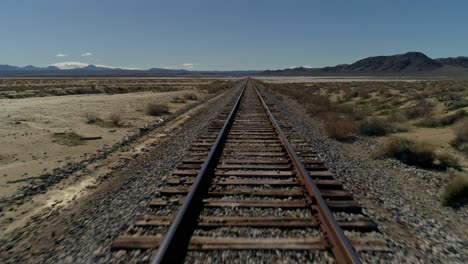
408, 151
420, 154
455, 192
68, 139
339, 128
314, 104
376, 127
461, 135
418, 111
443, 121
178, 100
116, 118
458, 104
446, 161
92, 117
217, 86
157, 109
190, 96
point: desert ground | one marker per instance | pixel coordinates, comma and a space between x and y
425, 111
80, 158
49, 124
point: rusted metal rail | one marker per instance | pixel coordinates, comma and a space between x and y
340, 245
249, 162
176, 241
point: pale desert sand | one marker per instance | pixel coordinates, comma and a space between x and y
28, 146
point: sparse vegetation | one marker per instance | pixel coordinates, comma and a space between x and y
217, 86
376, 127
116, 119
461, 135
420, 110
157, 109
178, 100
455, 192
385, 108
446, 161
92, 117
339, 128
444, 120
458, 104
408, 151
68, 139
190, 96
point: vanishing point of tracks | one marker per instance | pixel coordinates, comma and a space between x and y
251, 185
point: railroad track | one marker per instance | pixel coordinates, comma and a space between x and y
252, 185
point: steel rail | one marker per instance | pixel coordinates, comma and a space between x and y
174, 246
340, 245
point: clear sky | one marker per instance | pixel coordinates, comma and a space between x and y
227, 35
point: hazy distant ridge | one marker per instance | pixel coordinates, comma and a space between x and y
407, 63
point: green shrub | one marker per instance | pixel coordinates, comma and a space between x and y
408, 151
458, 104
456, 191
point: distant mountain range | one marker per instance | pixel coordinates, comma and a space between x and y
410, 64
95, 71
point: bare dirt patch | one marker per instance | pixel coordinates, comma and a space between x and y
41, 133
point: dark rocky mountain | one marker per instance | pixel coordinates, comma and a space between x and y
457, 61
410, 63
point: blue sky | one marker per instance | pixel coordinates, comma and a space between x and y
222, 35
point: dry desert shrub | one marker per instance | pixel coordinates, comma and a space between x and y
178, 100
376, 127
339, 128
190, 96
461, 131
456, 192
156, 109
116, 118
444, 120
446, 161
92, 117
408, 151
460, 141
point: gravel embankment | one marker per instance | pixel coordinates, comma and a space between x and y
83, 233
403, 200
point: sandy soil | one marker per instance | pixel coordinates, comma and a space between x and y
286, 79
30, 129
83, 182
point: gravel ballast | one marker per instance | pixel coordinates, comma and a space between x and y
403, 200
83, 234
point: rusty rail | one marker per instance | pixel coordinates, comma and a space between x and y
175, 244
340, 245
